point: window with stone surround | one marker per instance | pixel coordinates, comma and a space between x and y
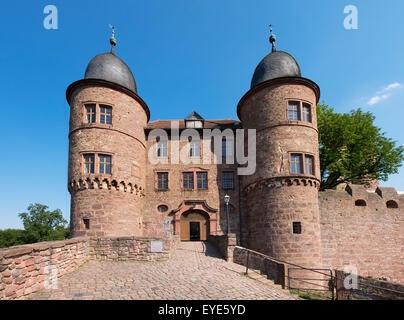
105, 114
296, 163
299, 111
162, 149
194, 148
227, 148
308, 165
94, 163
104, 164
90, 113
294, 110
188, 180
301, 163
162, 180
228, 180
89, 164
306, 112
202, 180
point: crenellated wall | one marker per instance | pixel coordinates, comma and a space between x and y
359, 230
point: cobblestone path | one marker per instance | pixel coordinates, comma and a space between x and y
195, 272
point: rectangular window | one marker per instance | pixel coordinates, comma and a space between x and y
306, 113
202, 180
88, 163
293, 110
105, 114
308, 165
228, 181
194, 149
297, 227
162, 180
162, 149
227, 148
90, 113
105, 164
188, 180
86, 223
295, 163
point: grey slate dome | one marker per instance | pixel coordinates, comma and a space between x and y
107, 66
277, 64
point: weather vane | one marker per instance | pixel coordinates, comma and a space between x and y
112, 40
272, 38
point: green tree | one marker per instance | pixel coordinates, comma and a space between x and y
353, 149
41, 224
12, 237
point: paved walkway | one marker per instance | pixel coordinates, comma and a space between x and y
195, 272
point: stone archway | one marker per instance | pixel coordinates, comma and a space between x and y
207, 215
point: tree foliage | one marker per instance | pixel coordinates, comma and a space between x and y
40, 224
353, 149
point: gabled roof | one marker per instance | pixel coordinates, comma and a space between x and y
194, 116
208, 124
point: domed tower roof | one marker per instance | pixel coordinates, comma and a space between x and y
277, 64
107, 66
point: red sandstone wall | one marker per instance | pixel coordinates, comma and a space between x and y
153, 220
25, 269
275, 197
369, 238
113, 202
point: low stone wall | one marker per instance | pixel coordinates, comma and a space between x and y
225, 244
133, 248
29, 268
32, 267
273, 270
369, 289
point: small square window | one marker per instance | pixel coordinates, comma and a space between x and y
86, 223
297, 227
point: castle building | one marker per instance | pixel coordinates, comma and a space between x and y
129, 176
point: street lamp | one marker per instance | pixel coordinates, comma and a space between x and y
227, 200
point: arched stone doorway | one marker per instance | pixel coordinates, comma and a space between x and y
194, 226
208, 213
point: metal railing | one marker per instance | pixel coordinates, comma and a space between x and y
326, 291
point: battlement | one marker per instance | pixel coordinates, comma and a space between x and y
105, 184
357, 195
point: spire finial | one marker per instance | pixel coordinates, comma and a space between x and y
272, 38
112, 40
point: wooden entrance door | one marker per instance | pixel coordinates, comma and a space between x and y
194, 226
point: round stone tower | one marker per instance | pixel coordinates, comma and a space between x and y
107, 153
282, 195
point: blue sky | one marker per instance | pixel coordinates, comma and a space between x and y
185, 55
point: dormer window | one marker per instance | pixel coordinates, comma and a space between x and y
194, 120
